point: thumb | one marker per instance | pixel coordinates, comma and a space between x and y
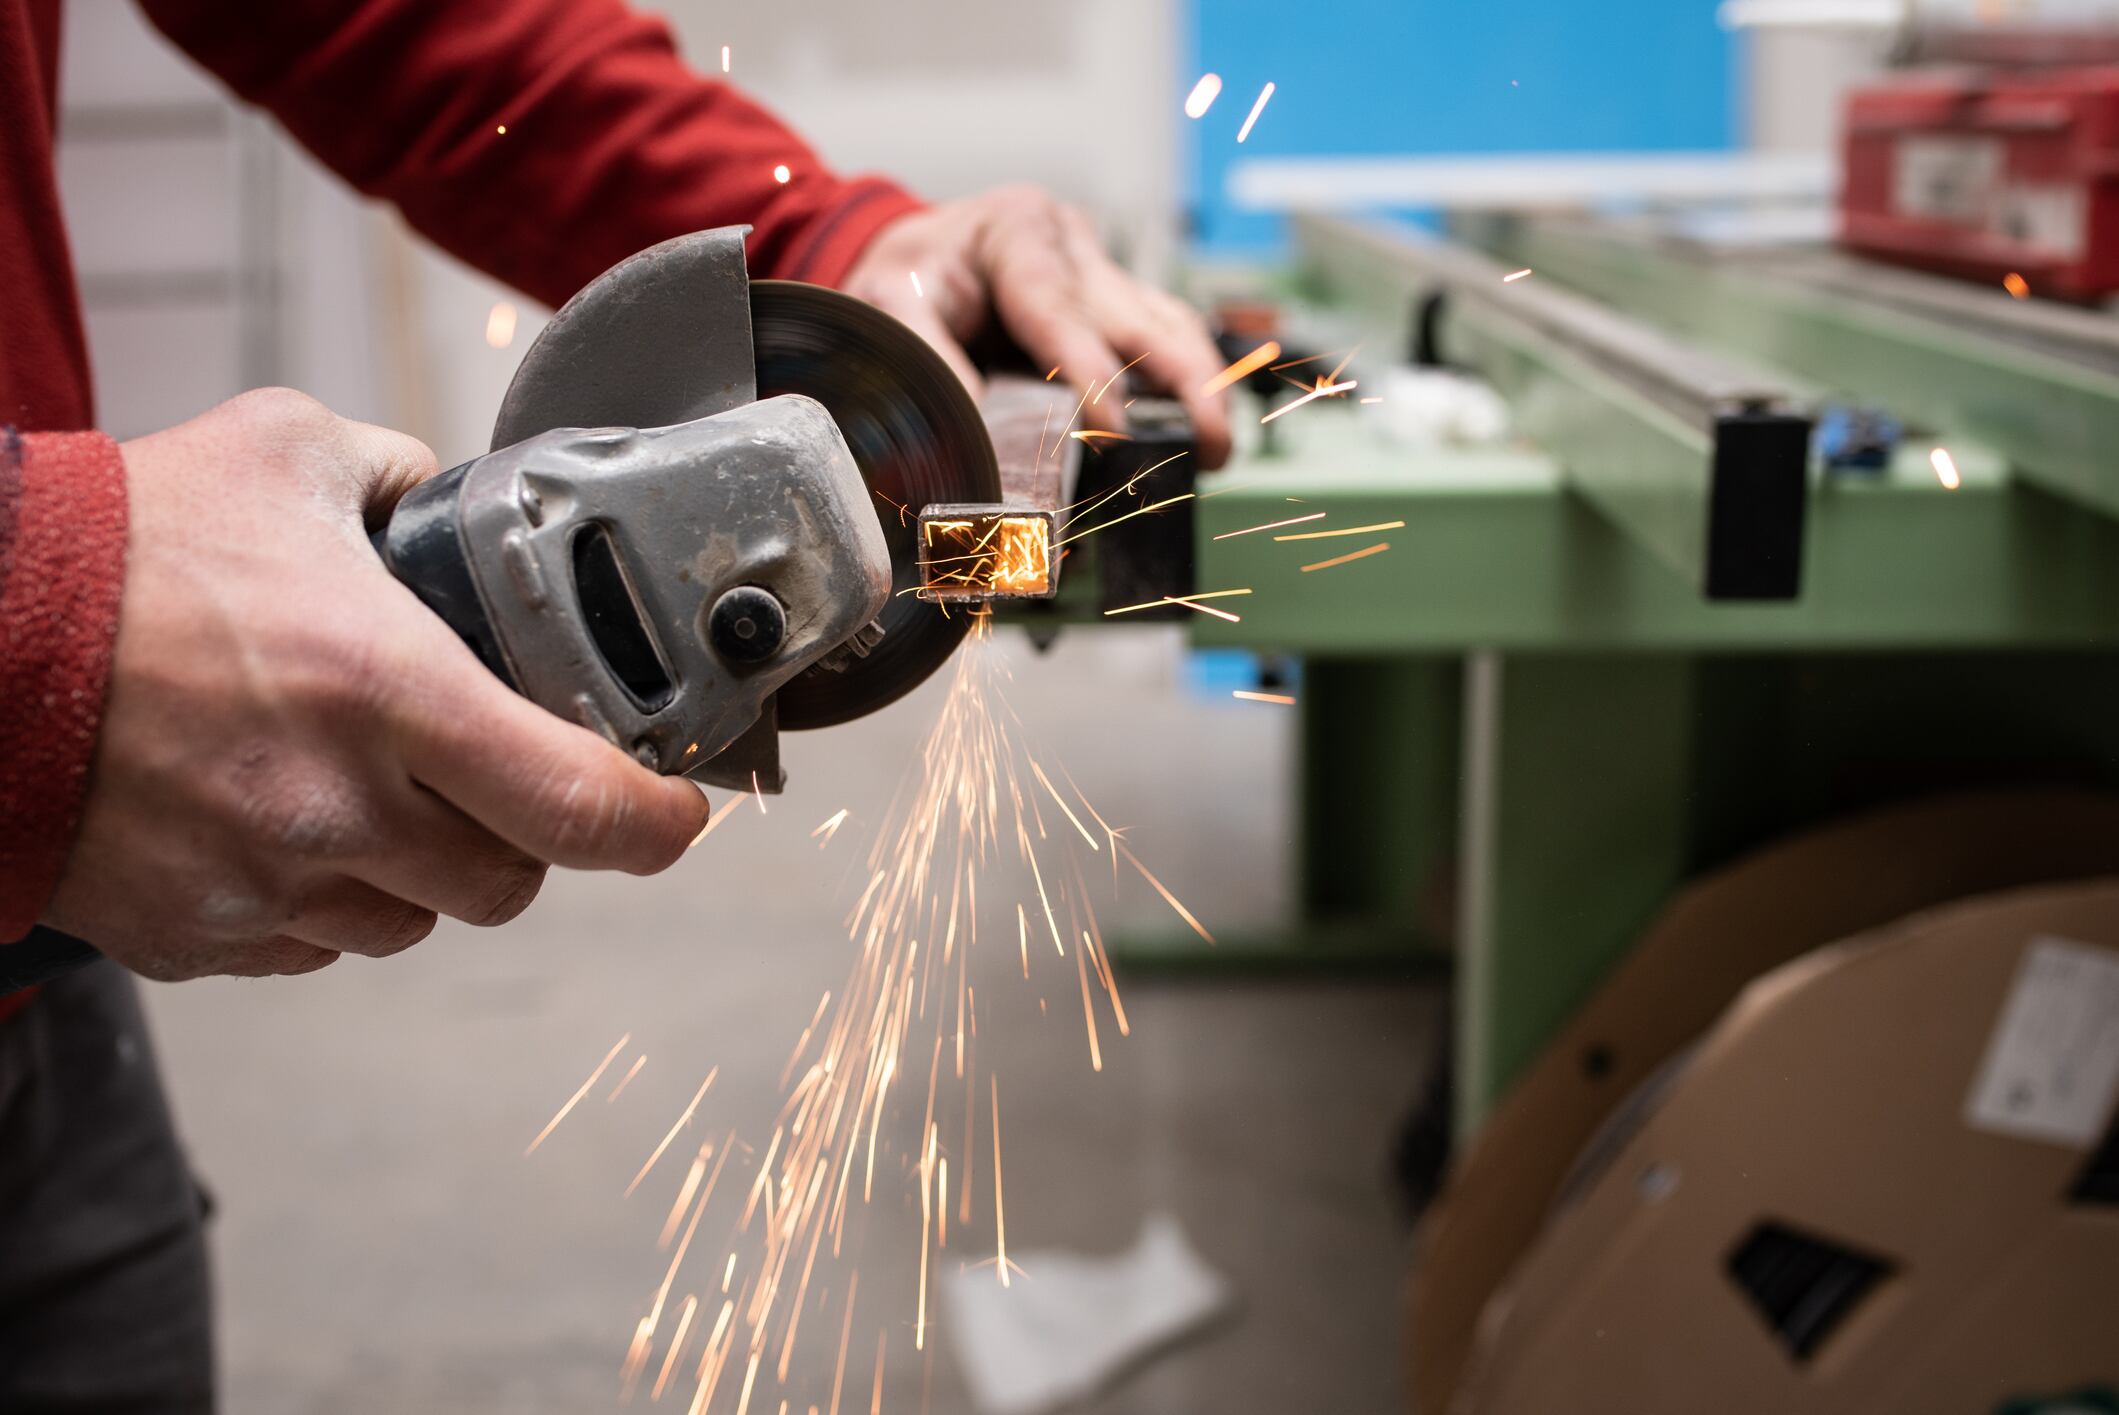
383, 465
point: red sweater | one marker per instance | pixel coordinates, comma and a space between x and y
612, 144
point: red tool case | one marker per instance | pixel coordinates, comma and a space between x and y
1983, 173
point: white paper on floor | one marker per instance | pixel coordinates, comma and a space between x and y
1068, 1325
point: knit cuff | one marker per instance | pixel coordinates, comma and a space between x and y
62, 576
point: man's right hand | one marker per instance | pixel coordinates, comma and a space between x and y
297, 758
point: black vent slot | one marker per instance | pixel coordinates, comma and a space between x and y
2099, 1181
1804, 1286
615, 621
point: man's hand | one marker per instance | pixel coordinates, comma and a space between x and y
1019, 254
297, 758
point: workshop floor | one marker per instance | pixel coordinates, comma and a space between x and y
383, 1245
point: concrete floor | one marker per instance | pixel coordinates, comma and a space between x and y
383, 1245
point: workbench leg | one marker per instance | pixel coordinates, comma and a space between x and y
1378, 798
1575, 820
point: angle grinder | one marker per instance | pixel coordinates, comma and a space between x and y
698, 523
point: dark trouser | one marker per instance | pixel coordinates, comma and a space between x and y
103, 1291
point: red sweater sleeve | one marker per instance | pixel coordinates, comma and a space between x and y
612, 144
62, 570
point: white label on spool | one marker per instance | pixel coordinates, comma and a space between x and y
2052, 1064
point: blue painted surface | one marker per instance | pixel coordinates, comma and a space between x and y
1213, 674
1364, 77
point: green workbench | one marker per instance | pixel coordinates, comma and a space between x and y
1521, 731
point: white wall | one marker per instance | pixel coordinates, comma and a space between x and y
1799, 80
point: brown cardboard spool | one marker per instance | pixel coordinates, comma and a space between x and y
1877, 1187
1717, 935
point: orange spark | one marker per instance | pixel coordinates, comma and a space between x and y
917, 288
724, 58
1322, 390
684, 1197
1945, 468
781, 174
1142, 511
1098, 396
1046, 782
719, 815
2016, 285
759, 791
838, 1378
575, 1099
500, 322
919, 1329
1349, 531
1000, 1214
1514, 275
1274, 525
1168, 897
627, 1079
1177, 599
1376, 549
1207, 609
750, 1378
875, 1401
1243, 368
829, 828
682, 1121
1284, 699
669, 1362
1081, 967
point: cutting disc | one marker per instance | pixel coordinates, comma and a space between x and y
918, 439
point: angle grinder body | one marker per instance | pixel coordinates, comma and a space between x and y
692, 533
658, 585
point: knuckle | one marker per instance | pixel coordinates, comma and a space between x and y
510, 890
391, 450
281, 406
295, 812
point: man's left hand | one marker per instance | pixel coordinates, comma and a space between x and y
1035, 262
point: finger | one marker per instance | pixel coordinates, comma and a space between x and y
925, 320
555, 791
275, 957
444, 861
347, 916
1037, 293
1164, 335
1185, 360
385, 464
